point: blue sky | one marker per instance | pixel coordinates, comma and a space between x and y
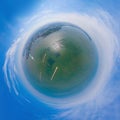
10, 11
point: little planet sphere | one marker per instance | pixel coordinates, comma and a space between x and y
60, 59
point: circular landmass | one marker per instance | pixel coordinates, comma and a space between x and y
60, 60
